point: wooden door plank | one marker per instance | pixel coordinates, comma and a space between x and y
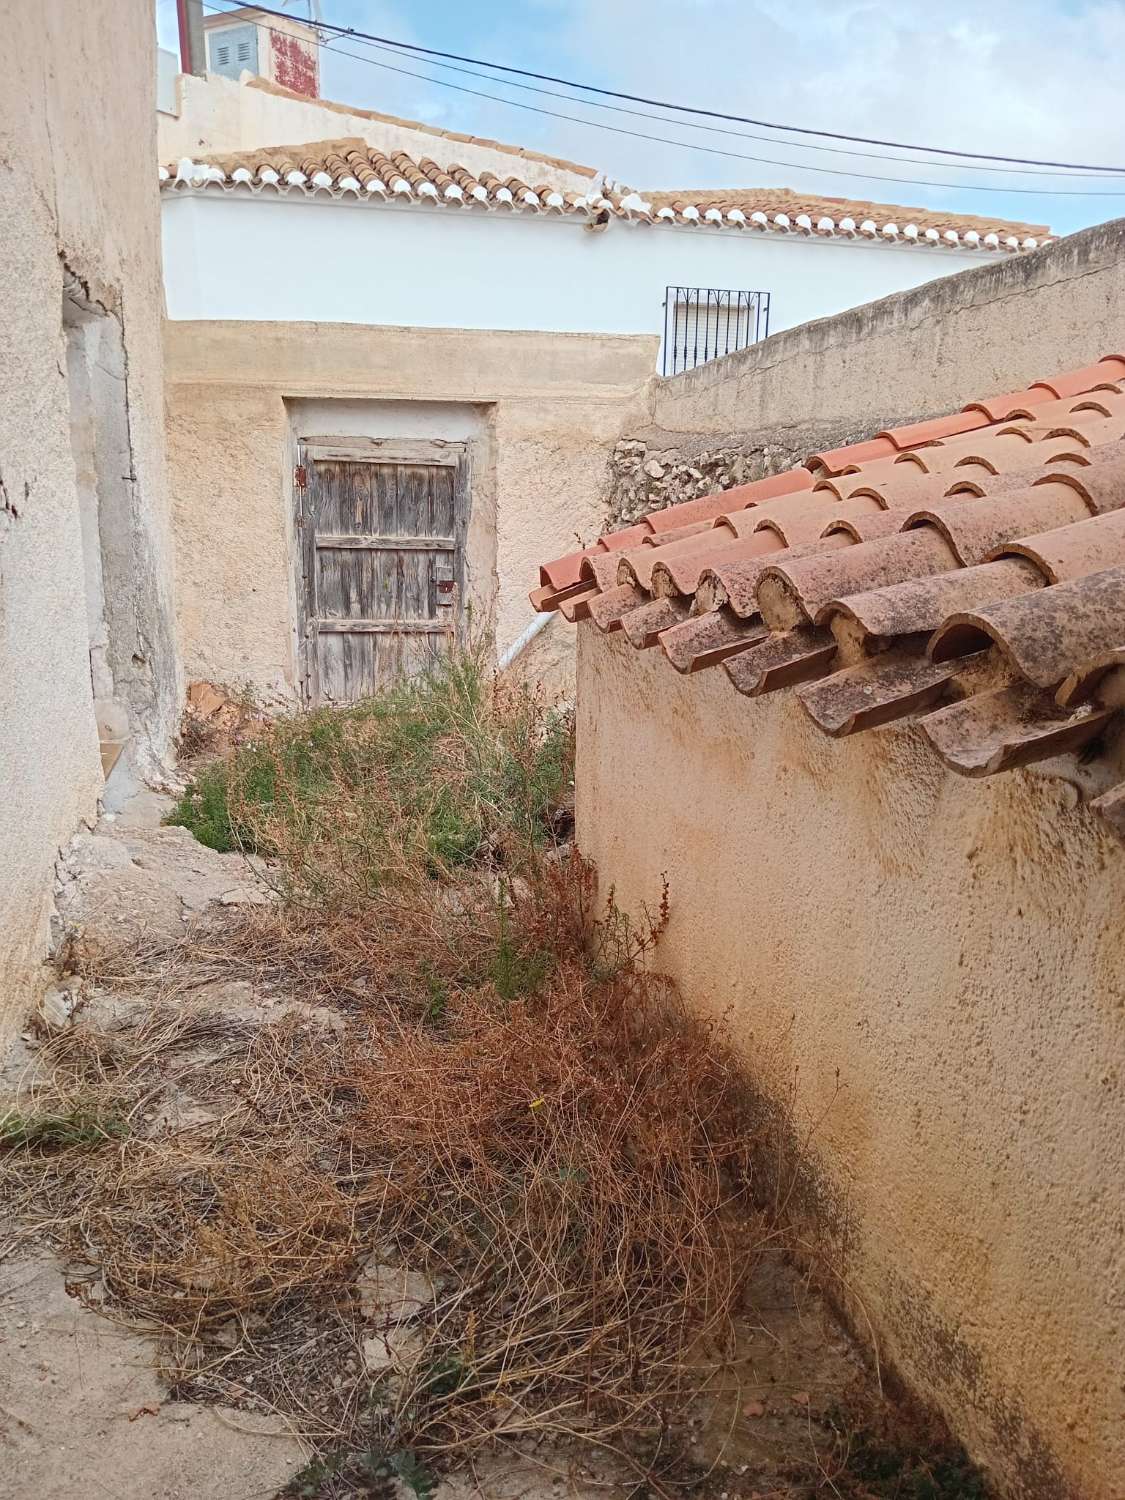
380, 627
393, 543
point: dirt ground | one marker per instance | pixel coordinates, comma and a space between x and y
82, 1409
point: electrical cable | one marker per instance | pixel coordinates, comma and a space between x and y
412, 48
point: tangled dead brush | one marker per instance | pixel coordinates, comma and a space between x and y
465, 1075
565, 1170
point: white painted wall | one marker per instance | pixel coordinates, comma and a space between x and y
233, 256
219, 114
167, 76
445, 421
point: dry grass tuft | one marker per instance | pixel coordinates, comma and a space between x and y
476, 1080
443, 1067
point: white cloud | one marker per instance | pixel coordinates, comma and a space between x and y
1030, 78
1022, 77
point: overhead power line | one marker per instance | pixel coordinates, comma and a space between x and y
742, 135
970, 187
412, 48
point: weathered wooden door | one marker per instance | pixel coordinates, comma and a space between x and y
382, 530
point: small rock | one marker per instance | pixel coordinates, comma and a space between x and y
56, 1008
654, 469
392, 1294
228, 1335
396, 1349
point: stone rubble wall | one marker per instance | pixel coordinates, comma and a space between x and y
652, 469
909, 356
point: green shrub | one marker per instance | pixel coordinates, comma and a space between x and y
453, 767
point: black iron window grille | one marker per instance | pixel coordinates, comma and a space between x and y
706, 322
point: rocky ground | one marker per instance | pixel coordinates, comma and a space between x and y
82, 1409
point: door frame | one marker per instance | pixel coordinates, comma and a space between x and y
430, 451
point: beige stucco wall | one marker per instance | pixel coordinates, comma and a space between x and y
926, 976
547, 407
76, 187
220, 115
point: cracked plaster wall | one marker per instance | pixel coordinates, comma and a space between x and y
77, 195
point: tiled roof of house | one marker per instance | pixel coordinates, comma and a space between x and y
966, 573
774, 201
350, 169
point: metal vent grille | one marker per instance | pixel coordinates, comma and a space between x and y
232, 49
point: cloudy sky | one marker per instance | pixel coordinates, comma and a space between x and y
1026, 78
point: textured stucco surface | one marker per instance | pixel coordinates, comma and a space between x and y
902, 358
925, 975
219, 115
76, 190
546, 409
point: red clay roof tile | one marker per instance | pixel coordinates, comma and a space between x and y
705, 640
1006, 728
974, 527
707, 507
610, 608
1073, 551
917, 433
620, 541
979, 549
565, 571
873, 692
837, 460
1074, 382
642, 626
782, 659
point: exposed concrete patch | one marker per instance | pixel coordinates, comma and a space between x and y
131, 879
83, 1412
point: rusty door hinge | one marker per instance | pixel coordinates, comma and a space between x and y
300, 476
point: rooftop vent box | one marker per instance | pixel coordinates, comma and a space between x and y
232, 50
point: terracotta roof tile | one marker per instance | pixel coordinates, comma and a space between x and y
1074, 550
705, 640
680, 575
925, 603
782, 659
874, 692
610, 608
1007, 728
974, 527
644, 625
974, 581
856, 212
347, 168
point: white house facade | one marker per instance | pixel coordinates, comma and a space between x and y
359, 236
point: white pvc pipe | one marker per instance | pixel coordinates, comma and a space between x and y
525, 638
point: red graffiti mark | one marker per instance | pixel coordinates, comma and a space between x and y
294, 65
